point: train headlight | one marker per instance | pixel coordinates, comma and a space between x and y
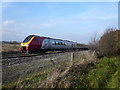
25, 45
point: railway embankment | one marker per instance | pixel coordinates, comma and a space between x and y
45, 71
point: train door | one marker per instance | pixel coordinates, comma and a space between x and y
46, 44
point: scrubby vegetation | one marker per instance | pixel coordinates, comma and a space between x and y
105, 74
108, 44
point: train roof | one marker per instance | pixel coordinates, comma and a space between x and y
51, 38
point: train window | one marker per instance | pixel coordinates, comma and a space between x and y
62, 43
27, 39
57, 43
53, 42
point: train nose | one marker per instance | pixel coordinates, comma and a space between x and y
24, 47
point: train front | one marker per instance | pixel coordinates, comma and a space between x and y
25, 44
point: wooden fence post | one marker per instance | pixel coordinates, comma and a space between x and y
72, 58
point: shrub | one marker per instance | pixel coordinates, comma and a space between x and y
109, 43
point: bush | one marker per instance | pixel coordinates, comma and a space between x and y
109, 43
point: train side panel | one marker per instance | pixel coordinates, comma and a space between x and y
56, 44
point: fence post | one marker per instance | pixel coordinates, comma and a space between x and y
52, 61
72, 58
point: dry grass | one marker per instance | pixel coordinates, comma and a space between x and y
10, 47
64, 76
58, 72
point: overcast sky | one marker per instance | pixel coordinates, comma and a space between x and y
75, 21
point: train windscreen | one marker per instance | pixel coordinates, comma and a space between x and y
27, 39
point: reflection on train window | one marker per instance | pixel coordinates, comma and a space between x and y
58, 43
27, 39
54, 43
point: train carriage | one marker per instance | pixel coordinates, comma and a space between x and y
42, 44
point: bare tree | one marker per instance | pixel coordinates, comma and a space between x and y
94, 42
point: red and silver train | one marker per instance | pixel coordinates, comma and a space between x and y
34, 43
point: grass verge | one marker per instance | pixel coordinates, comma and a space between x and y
104, 75
29, 81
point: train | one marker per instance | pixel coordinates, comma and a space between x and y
35, 43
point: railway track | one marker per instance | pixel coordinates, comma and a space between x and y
9, 55
17, 56
8, 61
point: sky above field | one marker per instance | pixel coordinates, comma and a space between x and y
75, 21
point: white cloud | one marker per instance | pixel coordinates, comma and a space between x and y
13, 35
11, 30
7, 23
